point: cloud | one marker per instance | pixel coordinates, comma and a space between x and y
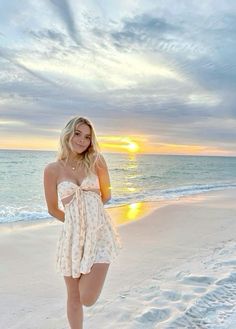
21, 66
141, 29
65, 12
49, 34
162, 69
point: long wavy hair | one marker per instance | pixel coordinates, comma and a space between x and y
89, 157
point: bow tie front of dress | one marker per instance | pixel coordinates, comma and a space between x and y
88, 234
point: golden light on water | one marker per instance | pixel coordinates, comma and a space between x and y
131, 212
131, 189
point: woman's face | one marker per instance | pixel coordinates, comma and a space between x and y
81, 138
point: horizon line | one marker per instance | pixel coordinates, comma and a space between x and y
128, 153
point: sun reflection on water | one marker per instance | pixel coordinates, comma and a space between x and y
131, 212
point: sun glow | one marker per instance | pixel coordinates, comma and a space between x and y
133, 147
120, 143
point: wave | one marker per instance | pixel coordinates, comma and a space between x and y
11, 214
172, 193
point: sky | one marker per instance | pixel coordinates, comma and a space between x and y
152, 76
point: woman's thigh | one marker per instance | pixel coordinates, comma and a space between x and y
90, 285
72, 286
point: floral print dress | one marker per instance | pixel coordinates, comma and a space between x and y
88, 234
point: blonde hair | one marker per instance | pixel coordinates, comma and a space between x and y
90, 155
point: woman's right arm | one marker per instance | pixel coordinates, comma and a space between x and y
50, 191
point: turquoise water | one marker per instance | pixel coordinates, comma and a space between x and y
133, 178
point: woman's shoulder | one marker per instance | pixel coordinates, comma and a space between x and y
100, 161
53, 167
98, 157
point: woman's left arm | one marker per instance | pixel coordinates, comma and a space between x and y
104, 179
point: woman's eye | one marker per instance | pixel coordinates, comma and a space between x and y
78, 134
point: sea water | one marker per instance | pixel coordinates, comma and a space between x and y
134, 178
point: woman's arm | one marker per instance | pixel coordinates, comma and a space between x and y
50, 191
104, 179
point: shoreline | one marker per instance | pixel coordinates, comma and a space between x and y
124, 214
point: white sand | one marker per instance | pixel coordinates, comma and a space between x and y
177, 269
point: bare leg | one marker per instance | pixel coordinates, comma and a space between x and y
74, 306
90, 285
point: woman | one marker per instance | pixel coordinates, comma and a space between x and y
89, 240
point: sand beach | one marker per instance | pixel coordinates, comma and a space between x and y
176, 269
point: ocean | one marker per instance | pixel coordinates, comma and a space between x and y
134, 178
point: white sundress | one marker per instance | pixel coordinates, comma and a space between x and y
88, 234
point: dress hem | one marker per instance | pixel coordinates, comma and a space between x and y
82, 272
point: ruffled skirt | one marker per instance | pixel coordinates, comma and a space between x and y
88, 236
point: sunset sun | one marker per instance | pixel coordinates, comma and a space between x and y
133, 147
